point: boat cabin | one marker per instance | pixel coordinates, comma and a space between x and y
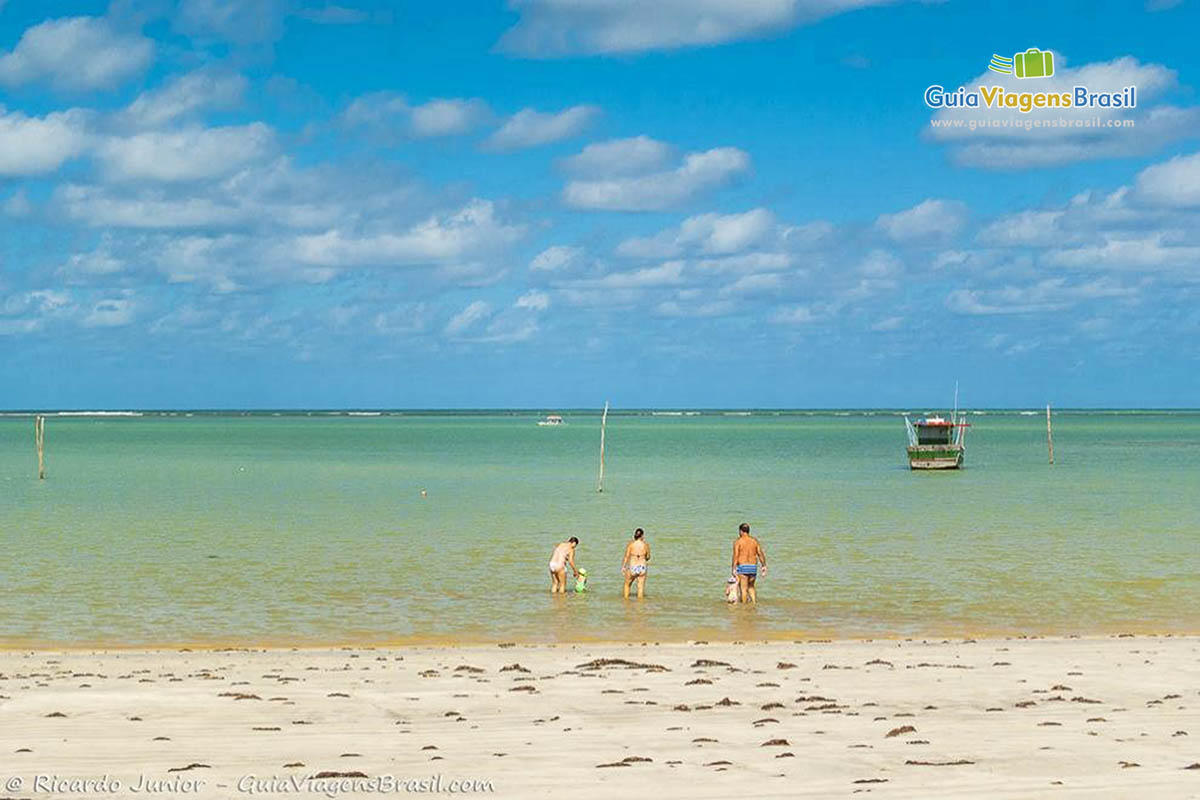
934, 430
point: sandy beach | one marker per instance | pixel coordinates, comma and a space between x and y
1078, 717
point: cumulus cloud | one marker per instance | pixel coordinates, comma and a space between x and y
550, 28
447, 117
699, 173
630, 156
712, 234
793, 315
530, 127
389, 116
94, 206
1010, 142
1175, 183
557, 258
468, 318
1050, 294
37, 145
183, 96
76, 54
926, 222
241, 22
534, 299
185, 155
670, 273
109, 313
470, 233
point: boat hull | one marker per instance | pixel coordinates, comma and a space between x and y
935, 456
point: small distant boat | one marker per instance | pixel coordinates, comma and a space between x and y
936, 443
550, 421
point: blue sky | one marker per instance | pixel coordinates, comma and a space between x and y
551, 203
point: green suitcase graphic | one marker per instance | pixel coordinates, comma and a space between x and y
1034, 63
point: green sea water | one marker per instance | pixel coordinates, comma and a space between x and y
311, 529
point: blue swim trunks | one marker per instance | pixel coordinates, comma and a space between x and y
747, 569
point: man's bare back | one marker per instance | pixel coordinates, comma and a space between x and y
747, 555
745, 550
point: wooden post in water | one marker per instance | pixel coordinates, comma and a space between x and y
603, 424
1049, 434
39, 439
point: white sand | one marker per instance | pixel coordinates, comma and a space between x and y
1091, 717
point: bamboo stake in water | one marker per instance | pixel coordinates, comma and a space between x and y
39, 438
1049, 434
603, 424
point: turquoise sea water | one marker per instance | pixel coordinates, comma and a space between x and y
300, 529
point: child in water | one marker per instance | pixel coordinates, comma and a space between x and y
731, 590
581, 581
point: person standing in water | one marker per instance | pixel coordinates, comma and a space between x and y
633, 566
747, 556
563, 557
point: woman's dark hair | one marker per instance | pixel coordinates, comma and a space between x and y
639, 533
574, 540
744, 527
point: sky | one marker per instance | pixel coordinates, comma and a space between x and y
554, 203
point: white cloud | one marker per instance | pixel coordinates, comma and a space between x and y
333, 15
632, 156
1030, 227
667, 274
184, 95
1158, 250
1009, 141
530, 127
757, 283
793, 315
183, 155
109, 313
37, 145
468, 318
1175, 183
534, 299
748, 242
926, 222
888, 324
556, 258
472, 232
388, 116
880, 264
549, 28
1050, 294
100, 261
242, 22
447, 117
77, 54
700, 172
94, 206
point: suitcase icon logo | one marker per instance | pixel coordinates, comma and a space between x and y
1033, 63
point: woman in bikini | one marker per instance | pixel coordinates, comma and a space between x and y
633, 566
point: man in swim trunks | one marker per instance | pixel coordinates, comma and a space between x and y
747, 555
563, 557
633, 566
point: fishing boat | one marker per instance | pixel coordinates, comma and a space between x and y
550, 421
936, 443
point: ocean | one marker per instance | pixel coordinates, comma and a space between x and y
301, 529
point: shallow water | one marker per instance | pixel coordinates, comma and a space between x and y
292, 529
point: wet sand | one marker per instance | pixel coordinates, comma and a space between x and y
1074, 717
